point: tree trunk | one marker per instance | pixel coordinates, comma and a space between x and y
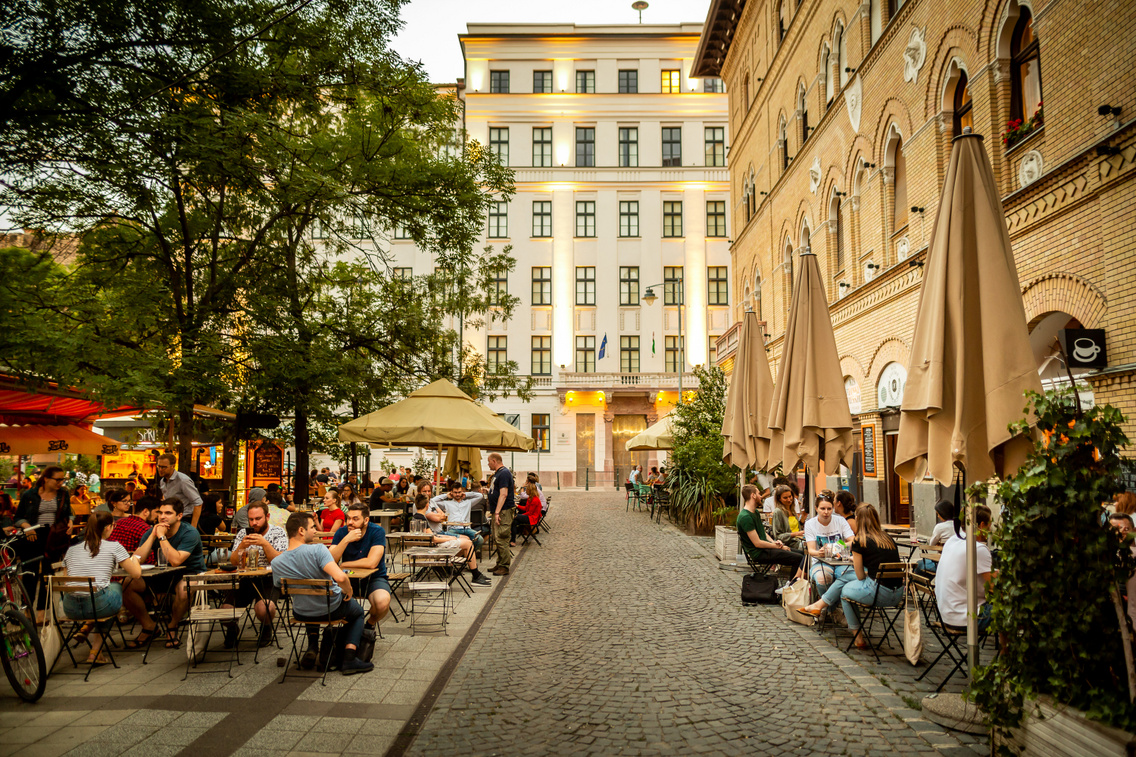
300, 425
185, 439
229, 461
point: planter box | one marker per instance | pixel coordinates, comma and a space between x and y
726, 543
1066, 732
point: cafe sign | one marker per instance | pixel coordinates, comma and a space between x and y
1084, 348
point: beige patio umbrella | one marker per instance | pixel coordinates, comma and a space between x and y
456, 456
971, 360
809, 416
745, 425
659, 435
435, 416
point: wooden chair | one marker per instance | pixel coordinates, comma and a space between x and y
308, 587
869, 612
202, 614
81, 585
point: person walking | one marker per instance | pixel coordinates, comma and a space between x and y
178, 486
501, 495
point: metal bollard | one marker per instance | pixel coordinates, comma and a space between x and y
587, 476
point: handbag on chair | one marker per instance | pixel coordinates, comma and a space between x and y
912, 628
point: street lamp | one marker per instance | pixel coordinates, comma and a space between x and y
649, 297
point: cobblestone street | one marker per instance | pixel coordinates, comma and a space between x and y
621, 636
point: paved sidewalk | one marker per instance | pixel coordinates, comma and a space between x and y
621, 636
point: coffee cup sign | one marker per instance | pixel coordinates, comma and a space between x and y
1084, 348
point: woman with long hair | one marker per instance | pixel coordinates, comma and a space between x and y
96, 557
786, 528
81, 501
846, 507
529, 511
348, 496
332, 516
871, 548
7, 513
402, 489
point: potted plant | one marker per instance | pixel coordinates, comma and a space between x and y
698, 480
1018, 129
1055, 600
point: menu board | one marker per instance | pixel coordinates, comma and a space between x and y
868, 449
268, 461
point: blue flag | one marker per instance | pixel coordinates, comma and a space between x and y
603, 347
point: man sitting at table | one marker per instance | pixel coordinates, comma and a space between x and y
434, 515
382, 497
306, 559
950, 578
751, 536
361, 544
266, 541
457, 504
128, 531
179, 542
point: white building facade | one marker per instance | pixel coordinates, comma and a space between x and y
621, 187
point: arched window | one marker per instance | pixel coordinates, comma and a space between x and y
962, 105
757, 295
803, 109
783, 138
783, 19
840, 53
1025, 68
806, 243
745, 96
829, 78
837, 225
876, 20
896, 161
788, 266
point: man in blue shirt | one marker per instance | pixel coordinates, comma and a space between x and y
306, 559
501, 507
360, 544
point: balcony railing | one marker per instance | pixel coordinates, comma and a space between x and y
619, 380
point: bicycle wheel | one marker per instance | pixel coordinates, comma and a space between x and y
22, 656
12, 590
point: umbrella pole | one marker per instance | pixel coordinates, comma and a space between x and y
971, 585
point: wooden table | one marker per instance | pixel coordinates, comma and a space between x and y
385, 516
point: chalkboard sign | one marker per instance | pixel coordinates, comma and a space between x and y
868, 442
268, 461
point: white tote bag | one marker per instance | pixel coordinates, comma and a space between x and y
50, 637
795, 597
912, 628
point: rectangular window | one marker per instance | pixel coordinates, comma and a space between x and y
499, 287
715, 146
499, 82
404, 274
318, 229
715, 218
542, 218
585, 146
629, 354
499, 144
360, 227
585, 354
541, 431
713, 84
585, 82
672, 146
628, 81
542, 82
496, 353
400, 232
673, 354
629, 285
499, 219
585, 285
628, 218
717, 286
542, 285
585, 218
672, 285
542, 356
628, 147
672, 218
671, 84
542, 147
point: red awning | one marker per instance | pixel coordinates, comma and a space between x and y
49, 404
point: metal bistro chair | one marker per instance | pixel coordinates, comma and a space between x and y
531, 531
950, 638
889, 615
82, 585
308, 587
662, 502
202, 614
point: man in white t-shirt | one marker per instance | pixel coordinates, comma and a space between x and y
826, 528
950, 579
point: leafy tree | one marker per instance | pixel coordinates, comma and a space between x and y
698, 480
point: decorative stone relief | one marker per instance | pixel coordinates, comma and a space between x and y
914, 55
1030, 169
814, 176
853, 99
892, 381
902, 248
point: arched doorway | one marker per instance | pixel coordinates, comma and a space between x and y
1044, 331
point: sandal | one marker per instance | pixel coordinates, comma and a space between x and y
173, 641
101, 659
143, 639
81, 635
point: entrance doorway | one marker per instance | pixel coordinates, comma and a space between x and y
585, 447
623, 427
898, 490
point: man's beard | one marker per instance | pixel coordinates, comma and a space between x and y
263, 528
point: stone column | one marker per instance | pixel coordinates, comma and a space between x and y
609, 459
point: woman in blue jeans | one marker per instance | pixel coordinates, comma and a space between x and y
871, 548
96, 557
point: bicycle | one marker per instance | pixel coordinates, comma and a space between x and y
21, 655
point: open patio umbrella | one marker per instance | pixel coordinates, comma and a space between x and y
745, 425
809, 414
435, 416
456, 456
971, 360
32, 439
659, 435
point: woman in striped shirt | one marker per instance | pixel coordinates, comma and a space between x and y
97, 557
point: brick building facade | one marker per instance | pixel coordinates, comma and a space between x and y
841, 121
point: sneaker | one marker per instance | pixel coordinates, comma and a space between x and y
482, 580
355, 665
308, 661
232, 633
366, 648
500, 570
267, 636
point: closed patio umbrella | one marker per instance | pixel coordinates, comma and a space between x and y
456, 456
435, 416
745, 425
659, 435
809, 414
971, 360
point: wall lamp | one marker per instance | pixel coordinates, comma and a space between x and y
848, 70
1107, 150
764, 194
1109, 110
869, 165
840, 194
915, 263
759, 78
873, 266
917, 209
844, 285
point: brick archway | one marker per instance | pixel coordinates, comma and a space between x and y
1066, 293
